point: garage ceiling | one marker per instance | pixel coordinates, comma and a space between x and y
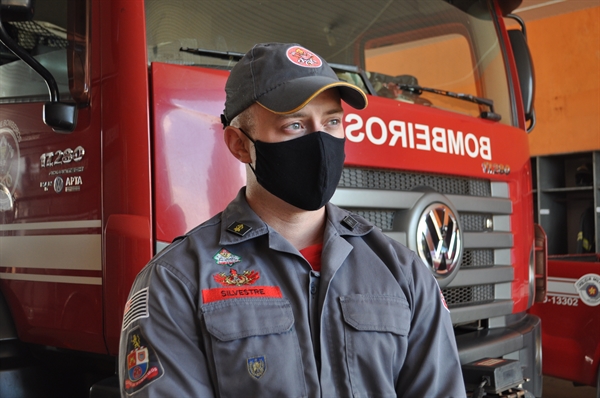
531, 10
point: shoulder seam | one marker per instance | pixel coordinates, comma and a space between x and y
179, 275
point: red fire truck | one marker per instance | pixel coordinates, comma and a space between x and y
111, 146
571, 318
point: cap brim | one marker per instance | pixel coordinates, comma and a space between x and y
294, 95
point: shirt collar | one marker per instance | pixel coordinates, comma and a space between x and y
240, 223
345, 223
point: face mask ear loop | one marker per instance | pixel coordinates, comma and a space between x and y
254, 142
246, 134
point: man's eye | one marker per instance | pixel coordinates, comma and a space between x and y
334, 122
295, 126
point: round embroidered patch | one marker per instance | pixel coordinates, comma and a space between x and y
303, 57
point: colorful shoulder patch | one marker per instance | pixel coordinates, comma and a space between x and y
225, 257
143, 365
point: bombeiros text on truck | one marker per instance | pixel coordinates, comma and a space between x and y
111, 146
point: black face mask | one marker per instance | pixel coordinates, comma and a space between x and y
304, 171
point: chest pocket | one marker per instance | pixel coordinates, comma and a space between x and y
255, 348
375, 332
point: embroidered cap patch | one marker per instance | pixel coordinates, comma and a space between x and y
303, 57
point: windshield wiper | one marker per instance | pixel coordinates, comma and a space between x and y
226, 55
235, 56
490, 115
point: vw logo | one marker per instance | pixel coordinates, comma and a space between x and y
439, 239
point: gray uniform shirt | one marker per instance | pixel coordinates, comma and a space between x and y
232, 309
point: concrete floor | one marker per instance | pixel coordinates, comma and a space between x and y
558, 388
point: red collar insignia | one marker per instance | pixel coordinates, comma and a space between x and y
235, 279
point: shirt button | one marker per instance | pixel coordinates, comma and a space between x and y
313, 288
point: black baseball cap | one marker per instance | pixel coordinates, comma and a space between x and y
283, 78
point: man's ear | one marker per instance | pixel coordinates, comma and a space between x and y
237, 143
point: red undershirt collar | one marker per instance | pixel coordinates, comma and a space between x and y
312, 254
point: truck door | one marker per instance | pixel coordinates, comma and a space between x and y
50, 191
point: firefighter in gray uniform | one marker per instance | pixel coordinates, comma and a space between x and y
284, 294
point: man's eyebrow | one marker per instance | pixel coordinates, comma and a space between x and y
301, 114
335, 110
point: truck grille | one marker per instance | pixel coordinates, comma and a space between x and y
474, 222
406, 181
484, 209
469, 295
384, 219
477, 258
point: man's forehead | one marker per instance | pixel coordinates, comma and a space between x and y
328, 101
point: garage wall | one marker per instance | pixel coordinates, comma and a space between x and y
566, 56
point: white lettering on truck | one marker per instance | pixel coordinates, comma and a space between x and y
417, 136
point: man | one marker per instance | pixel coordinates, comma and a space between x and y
284, 294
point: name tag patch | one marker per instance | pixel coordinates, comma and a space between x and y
218, 294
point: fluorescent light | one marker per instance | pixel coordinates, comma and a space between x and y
532, 7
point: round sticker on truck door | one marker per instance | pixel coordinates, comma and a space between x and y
588, 287
9, 162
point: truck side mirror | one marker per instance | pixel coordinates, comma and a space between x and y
62, 117
524, 63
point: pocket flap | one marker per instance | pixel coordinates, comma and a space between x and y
377, 313
235, 319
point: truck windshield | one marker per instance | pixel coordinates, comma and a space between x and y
380, 45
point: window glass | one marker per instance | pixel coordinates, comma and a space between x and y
422, 58
444, 45
45, 38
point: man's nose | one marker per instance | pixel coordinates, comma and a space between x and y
314, 125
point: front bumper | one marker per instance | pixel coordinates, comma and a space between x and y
517, 336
